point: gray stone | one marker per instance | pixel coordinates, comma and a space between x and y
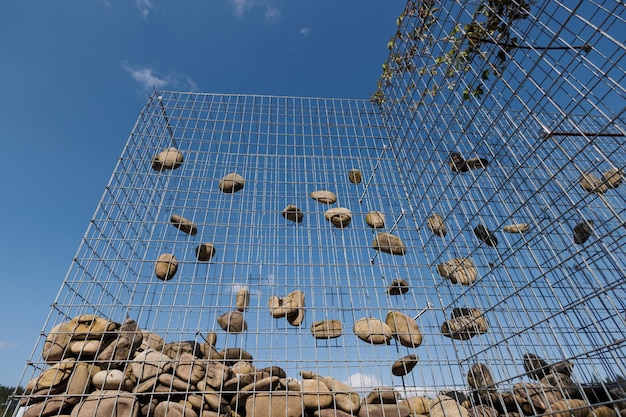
583, 231
166, 266
389, 243
183, 224
170, 158
231, 183
205, 251
373, 331
232, 322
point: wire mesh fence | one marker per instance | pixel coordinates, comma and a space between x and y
462, 231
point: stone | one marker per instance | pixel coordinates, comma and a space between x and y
232, 355
149, 364
85, 348
562, 382
273, 371
582, 231
166, 266
346, 399
147, 385
601, 411
293, 213
104, 403
173, 383
484, 235
205, 251
329, 412
243, 367
242, 299
183, 224
172, 409
465, 324
175, 350
290, 306
459, 271
324, 197
355, 176
398, 286
482, 410
55, 375
373, 331
404, 329
51, 406
436, 225
111, 379
315, 394
196, 402
231, 183
539, 395
570, 408
326, 329
170, 158
444, 406
152, 341
90, 327
516, 228
275, 404
55, 346
216, 374
535, 366
476, 163
479, 377
592, 184
389, 243
383, 395
189, 368
375, 219
122, 348
613, 177
384, 410
210, 339
215, 402
79, 383
457, 163
232, 322
417, 405
404, 365
236, 383
339, 217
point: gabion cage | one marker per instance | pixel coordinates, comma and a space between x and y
454, 246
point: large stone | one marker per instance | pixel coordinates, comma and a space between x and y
383, 395
293, 213
326, 329
355, 176
107, 403
231, 183
149, 364
583, 231
123, 347
112, 379
216, 375
170, 158
373, 331
417, 405
79, 383
436, 225
457, 163
56, 344
189, 368
465, 324
476, 163
398, 286
339, 217
232, 322
89, 326
482, 410
539, 395
479, 377
562, 382
602, 411
592, 184
151, 341
290, 306
242, 299
384, 410
173, 383
459, 271
570, 408
315, 394
275, 404
535, 366
55, 375
205, 251
404, 365
51, 406
243, 367
172, 409
346, 399
389, 243
86, 348
183, 224
329, 412
166, 266
404, 329
324, 197
175, 350
485, 235
375, 219
232, 355
516, 228
444, 406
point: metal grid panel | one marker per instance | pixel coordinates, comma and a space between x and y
549, 113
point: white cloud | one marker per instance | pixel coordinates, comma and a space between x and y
8, 345
241, 7
272, 14
149, 79
145, 7
363, 382
304, 31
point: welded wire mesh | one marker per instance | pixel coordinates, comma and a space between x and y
526, 126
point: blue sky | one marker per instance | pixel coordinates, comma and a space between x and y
74, 75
